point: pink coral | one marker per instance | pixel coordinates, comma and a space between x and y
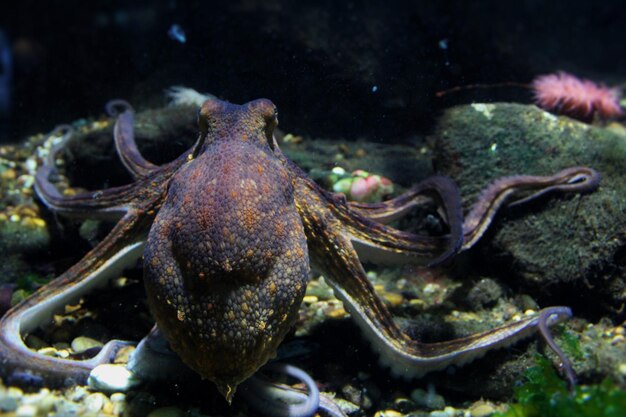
566, 94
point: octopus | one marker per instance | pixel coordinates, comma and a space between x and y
229, 232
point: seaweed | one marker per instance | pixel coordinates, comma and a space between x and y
545, 394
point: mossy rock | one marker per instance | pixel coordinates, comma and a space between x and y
571, 242
16, 237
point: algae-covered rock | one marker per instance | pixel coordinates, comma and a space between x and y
23, 235
162, 134
575, 240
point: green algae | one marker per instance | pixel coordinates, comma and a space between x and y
545, 394
26, 285
571, 345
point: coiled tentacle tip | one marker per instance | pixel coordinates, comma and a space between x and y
548, 317
117, 106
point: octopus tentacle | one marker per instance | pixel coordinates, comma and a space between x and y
520, 189
279, 400
397, 246
441, 190
418, 195
125, 144
122, 247
380, 243
544, 321
109, 203
112, 202
390, 245
335, 257
117, 106
136, 204
64, 132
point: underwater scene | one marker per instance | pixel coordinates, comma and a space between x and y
313, 208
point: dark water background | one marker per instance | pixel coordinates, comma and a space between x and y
335, 68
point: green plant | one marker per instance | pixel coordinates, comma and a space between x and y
545, 394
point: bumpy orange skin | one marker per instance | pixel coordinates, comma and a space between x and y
226, 262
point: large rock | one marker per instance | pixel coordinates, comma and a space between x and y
571, 247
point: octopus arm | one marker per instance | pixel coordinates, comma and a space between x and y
111, 203
385, 245
126, 146
20, 365
376, 242
520, 189
405, 356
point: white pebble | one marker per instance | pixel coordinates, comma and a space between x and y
31, 165
118, 397
26, 410
111, 378
94, 402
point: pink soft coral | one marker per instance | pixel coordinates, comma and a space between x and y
566, 94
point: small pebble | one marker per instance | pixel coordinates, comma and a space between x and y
94, 402
47, 351
394, 299
47, 403
357, 396
118, 397
310, 299
31, 165
26, 410
15, 392
484, 293
66, 408
8, 174
346, 406
403, 405
482, 409
337, 313
388, 413
417, 302
111, 378
118, 400
427, 400
77, 393
27, 211
82, 343
431, 288
118, 408
7, 404
447, 412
